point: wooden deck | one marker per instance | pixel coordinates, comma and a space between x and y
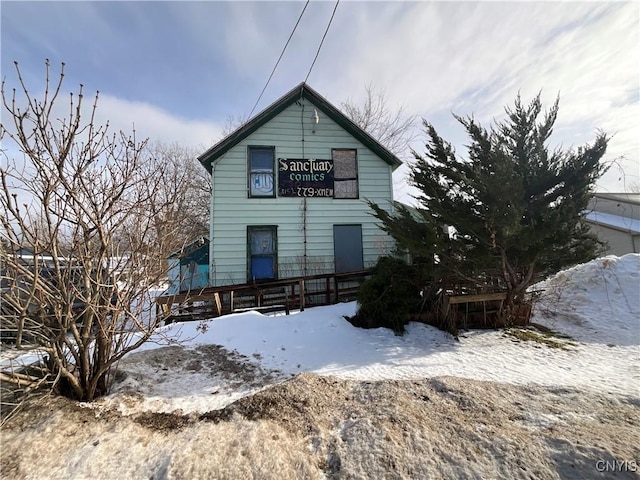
278, 295
480, 301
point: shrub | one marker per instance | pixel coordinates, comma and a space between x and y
389, 297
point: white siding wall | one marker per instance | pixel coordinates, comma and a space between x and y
232, 210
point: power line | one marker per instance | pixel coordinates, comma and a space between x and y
280, 58
322, 41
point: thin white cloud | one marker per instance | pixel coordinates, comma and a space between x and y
147, 120
473, 58
431, 57
155, 123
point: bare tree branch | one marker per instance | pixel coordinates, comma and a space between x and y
79, 256
391, 127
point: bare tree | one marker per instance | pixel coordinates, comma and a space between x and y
181, 200
80, 249
233, 123
391, 127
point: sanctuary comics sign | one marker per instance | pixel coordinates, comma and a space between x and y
305, 177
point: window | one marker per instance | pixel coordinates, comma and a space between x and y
262, 253
260, 166
345, 173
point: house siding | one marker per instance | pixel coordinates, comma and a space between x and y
232, 211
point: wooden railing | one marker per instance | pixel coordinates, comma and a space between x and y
277, 295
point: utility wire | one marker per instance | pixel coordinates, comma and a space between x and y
322, 41
280, 58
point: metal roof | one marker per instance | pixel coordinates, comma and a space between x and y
633, 198
617, 222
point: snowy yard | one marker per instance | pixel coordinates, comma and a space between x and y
519, 392
597, 305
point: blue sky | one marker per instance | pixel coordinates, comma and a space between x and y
179, 70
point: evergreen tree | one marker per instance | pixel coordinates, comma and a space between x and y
515, 206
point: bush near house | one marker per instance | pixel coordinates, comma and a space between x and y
389, 296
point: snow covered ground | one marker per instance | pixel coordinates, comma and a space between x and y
431, 419
596, 304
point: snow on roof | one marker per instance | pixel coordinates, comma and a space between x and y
618, 222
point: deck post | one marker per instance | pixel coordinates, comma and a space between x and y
216, 297
327, 296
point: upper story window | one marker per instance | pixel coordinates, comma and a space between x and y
345, 173
261, 161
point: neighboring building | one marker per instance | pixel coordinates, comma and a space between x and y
615, 218
289, 190
189, 267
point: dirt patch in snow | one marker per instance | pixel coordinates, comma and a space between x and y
322, 427
179, 380
211, 360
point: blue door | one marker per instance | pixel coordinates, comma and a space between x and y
262, 253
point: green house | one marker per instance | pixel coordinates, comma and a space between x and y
289, 191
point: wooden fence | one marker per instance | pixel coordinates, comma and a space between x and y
277, 295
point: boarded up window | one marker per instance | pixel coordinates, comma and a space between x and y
345, 167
